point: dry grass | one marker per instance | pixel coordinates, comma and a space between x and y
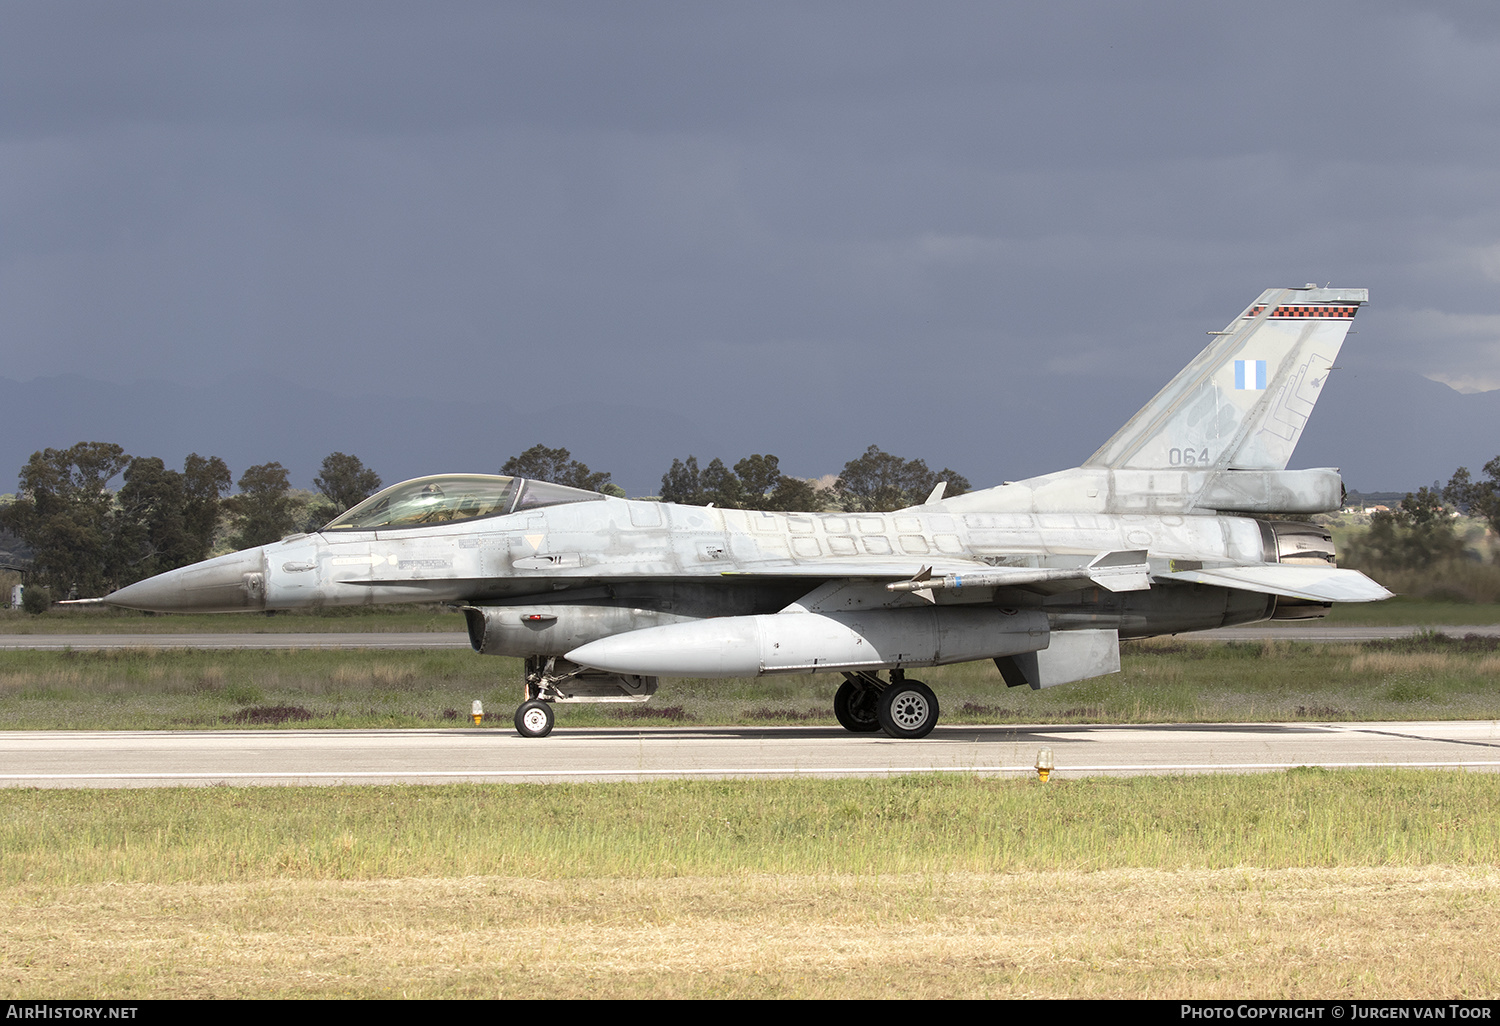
1434, 663
1294, 933
1300, 884
936, 824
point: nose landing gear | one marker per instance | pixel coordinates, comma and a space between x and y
550, 680
534, 719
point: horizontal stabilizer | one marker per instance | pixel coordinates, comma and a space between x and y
1315, 583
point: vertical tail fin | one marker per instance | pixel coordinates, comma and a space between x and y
1241, 404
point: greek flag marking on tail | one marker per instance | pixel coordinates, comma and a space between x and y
1250, 374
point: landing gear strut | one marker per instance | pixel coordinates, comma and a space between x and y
902, 708
550, 679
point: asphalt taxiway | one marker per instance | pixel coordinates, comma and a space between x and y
498, 755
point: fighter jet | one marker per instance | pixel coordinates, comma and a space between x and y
1157, 533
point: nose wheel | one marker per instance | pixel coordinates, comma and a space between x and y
534, 719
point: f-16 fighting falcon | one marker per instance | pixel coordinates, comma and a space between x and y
1156, 533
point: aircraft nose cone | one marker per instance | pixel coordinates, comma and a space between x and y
224, 584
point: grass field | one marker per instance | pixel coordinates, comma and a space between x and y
1302, 884
1405, 611
1425, 677
363, 619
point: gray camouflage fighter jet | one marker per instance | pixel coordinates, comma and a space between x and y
1155, 534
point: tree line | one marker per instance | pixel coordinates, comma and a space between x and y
1420, 533
875, 481
87, 540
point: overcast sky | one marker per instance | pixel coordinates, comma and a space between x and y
834, 218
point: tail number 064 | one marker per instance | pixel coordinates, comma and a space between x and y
1187, 457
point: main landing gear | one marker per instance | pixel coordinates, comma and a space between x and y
902, 708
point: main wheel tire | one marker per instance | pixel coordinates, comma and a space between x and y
534, 719
854, 708
908, 709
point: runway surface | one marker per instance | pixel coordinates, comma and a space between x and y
498, 755
460, 640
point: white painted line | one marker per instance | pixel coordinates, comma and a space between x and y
784, 771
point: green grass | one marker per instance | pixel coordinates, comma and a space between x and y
359, 619
921, 824
1425, 677
151, 688
1405, 610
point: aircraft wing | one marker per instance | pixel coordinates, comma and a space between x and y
1315, 583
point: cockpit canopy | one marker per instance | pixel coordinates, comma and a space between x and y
449, 498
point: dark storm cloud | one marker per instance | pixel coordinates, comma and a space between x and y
797, 221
